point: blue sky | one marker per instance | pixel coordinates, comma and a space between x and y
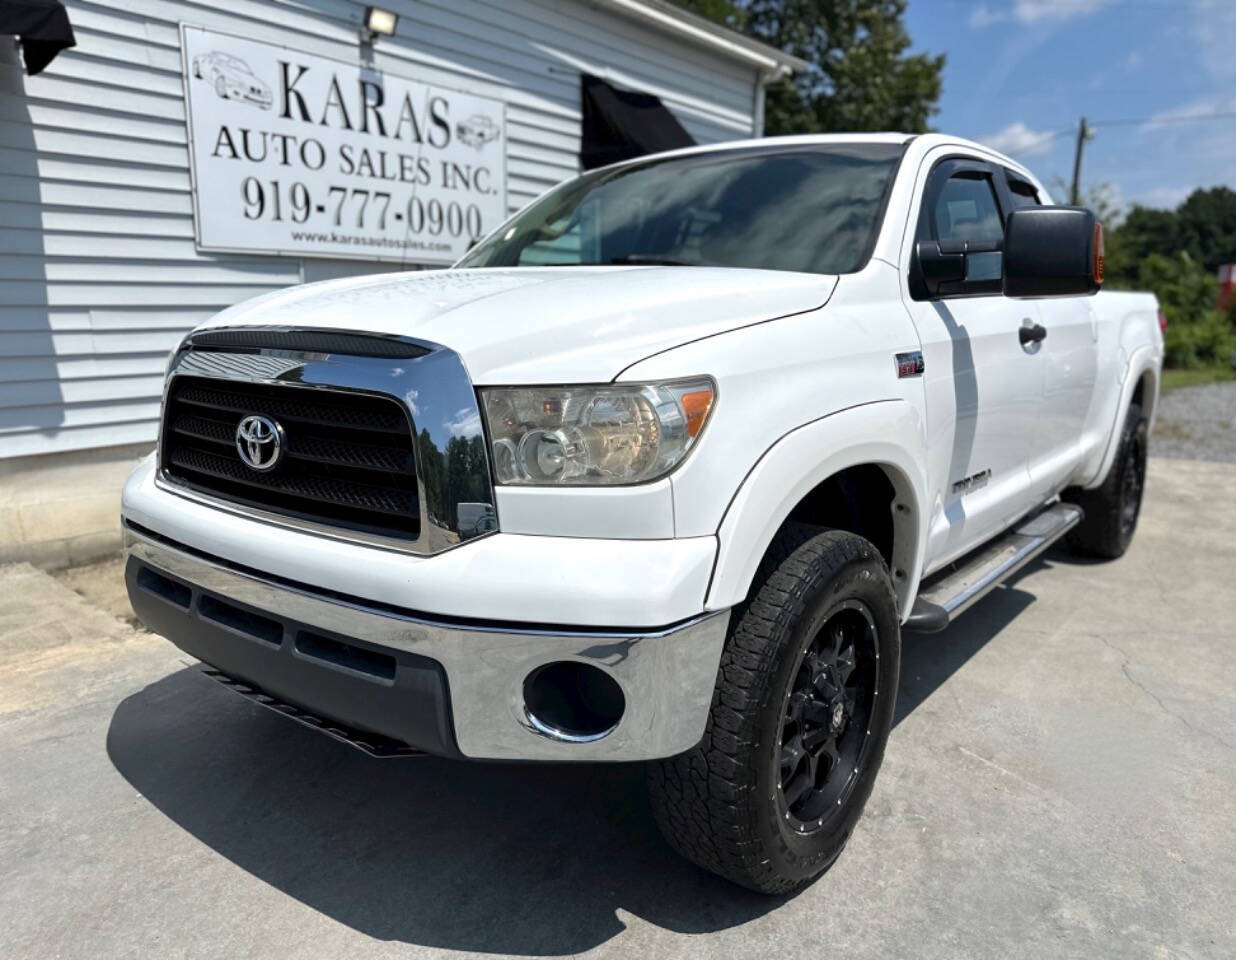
1020, 71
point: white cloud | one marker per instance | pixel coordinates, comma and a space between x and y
1197, 108
1032, 11
983, 16
1019, 140
1214, 22
465, 423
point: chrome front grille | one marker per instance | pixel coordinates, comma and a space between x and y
381, 443
348, 459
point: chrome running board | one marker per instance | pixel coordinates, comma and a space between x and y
952, 591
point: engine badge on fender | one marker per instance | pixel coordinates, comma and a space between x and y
910, 364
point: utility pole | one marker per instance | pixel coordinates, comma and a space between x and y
1084, 132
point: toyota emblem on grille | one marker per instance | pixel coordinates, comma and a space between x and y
259, 441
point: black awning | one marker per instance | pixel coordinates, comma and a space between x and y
42, 27
622, 124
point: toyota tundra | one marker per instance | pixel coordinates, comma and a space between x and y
659, 471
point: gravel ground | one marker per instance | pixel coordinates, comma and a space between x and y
1197, 423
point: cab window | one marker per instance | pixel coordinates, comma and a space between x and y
961, 207
966, 209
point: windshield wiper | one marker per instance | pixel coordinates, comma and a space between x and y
654, 260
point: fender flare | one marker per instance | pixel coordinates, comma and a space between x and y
1144, 360
888, 433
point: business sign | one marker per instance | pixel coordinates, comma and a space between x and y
306, 156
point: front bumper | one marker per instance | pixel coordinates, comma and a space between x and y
501, 577
442, 685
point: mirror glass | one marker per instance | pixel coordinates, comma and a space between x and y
984, 266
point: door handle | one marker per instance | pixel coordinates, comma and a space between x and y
1032, 334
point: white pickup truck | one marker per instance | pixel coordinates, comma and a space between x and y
658, 472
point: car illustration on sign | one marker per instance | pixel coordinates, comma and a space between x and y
231, 78
476, 131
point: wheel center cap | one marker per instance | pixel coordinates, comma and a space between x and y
838, 714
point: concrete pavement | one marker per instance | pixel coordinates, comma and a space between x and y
1061, 782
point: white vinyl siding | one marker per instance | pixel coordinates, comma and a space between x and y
99, 276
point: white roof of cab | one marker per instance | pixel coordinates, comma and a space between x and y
922, 143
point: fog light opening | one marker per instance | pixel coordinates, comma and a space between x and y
572, 702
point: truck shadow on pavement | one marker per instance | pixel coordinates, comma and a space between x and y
497, 858
929, 659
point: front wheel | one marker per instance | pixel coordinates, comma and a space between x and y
799, 719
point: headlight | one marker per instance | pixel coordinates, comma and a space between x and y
616, 433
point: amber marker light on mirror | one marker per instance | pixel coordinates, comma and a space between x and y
1098, 254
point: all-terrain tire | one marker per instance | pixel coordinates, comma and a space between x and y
723, 804
1112, 509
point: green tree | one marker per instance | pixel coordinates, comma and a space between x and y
1145, 231
723, 11
1207, 225
1204, 226
1197, 334
860, 78
1102, 199
431, 471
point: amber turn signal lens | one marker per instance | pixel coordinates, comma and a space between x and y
1098, 254
696, 406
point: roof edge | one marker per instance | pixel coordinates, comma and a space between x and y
670, 18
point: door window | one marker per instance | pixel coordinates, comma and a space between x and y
961, 207
966, 209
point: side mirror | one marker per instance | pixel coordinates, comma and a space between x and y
1052, 252
955, 267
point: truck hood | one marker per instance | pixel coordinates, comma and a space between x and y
543, 324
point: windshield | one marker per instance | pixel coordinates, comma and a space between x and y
811, 209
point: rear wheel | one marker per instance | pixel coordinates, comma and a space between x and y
1112, 510
799, 719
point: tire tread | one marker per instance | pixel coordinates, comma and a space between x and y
702, 799
1099, 532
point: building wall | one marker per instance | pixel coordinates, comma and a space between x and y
99, 276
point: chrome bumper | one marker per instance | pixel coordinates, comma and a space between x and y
667, 676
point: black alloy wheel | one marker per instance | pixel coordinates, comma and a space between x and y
1113, 508
799, 719
825, 730
1132, 483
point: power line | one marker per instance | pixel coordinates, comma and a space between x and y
1040, 141
1085, 131
1079, 7
1178, 118
1125, 122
